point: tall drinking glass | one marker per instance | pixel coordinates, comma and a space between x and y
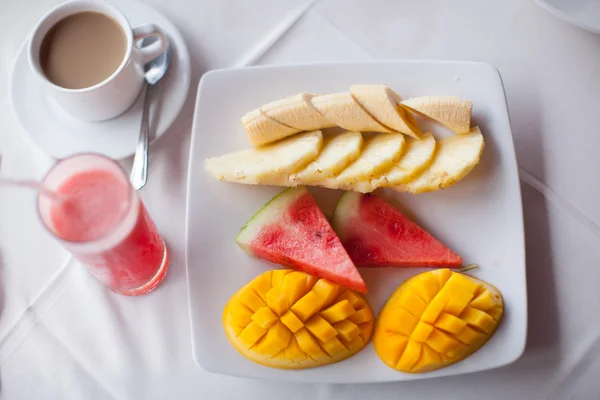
102, 221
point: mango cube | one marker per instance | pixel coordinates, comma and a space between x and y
450, 323
429, 360
292, 322
479, 319
347, 330
390, 347
410, 356
484, 301
278, 275
436, 319
355, 299
327, 291
250, 299
321, 329
293, 287
276, 340
361, 315
425, 286
469, 335
421, 332
264, 317
458, 302
338, 312
251, 333
307, 306
276, 301
333, 347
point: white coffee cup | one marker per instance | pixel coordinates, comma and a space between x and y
118, 92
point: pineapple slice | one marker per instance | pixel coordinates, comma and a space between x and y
416, 158
452, 112
380, 152
419, 334
266, 164
455, 158
383, 104
324, 323
338, 151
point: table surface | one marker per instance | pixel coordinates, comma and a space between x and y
63, 336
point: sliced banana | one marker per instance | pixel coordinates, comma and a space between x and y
452, 112
346, 112
338, 151
455, 158
383, 104
297, 112
417, 156
380, 153
267, 164
262, 130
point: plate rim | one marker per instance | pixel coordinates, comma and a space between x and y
560, 14
518, 352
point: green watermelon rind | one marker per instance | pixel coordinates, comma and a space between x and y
277, 205
347, 207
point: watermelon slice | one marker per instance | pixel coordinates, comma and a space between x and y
291, 230
375, 234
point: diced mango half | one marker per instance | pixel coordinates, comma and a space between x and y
291, 320
435, 319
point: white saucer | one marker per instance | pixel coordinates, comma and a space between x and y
59, 135
584, 14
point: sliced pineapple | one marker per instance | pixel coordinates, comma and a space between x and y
346, 112
262, 130
380, 153
383, 104
452, 112
267, 164
455, 158
297, 112
338, 151
417, 156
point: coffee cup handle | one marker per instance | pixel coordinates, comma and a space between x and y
148, 53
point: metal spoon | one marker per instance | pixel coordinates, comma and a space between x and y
153, 72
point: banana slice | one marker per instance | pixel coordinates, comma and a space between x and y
297, 112
452, 112
266, 164
346, 112
455, 158
380, 152
262, 130
338, 151
418, 155
383, 104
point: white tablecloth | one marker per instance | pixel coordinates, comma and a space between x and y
63, 336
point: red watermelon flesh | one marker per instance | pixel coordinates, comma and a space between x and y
375, 234
291, 230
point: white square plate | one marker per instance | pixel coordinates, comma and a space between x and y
480, 218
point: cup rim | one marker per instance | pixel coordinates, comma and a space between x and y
106, 239
100, 7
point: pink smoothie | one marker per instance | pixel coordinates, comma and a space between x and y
95, 206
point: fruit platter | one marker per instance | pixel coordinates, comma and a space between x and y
354, 223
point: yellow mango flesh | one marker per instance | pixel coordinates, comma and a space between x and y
291, 320
435, 319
